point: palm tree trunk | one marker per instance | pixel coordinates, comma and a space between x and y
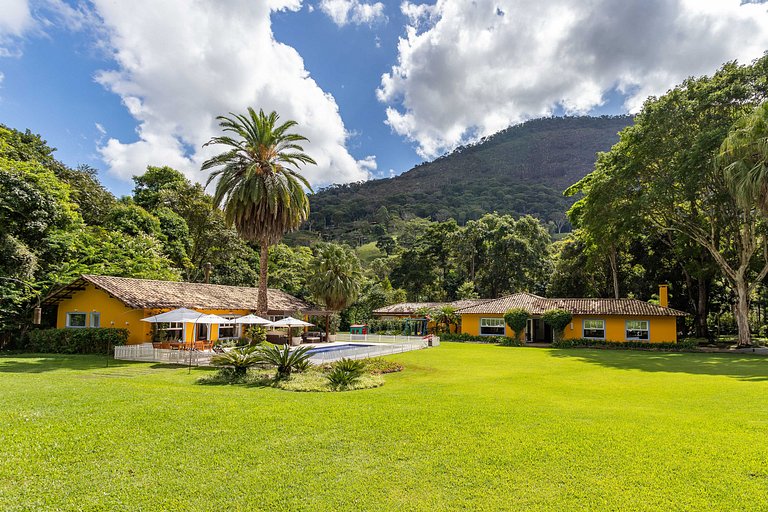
261, 305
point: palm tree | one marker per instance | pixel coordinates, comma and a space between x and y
259, 186
743, 158
445, 315
336, 278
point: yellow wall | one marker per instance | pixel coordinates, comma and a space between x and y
662, 328
116, 314
113, 312
470, 324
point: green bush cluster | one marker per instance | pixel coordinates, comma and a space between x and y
379, 365
75, 341
683, 345
471, 338
345, 373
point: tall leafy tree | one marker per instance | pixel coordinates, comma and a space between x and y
259, 186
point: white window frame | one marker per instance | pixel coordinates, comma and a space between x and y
235, 330
171, 326
584, 328
495, 321
647, 330
95, 315
69, 323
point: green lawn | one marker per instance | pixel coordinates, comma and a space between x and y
468, 427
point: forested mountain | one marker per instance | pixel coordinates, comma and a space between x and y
521, 170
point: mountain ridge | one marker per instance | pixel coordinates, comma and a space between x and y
520, 170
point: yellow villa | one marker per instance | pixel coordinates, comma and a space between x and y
103, 301
600, 319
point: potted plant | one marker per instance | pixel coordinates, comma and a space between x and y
333, 326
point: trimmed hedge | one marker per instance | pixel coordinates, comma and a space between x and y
680, 346
470, 338
96, 340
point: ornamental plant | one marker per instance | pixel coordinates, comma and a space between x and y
558, 319
517, 319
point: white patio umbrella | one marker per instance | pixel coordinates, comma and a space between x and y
251, 320
182, 315
290, 323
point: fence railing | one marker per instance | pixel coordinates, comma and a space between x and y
146, 352
384, 338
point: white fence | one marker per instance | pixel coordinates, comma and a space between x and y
146, 352
379, 338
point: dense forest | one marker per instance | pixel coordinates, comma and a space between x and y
522, 170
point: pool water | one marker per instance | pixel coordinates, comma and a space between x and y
336, 348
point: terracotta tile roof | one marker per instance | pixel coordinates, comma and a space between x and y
466, 303
406, 308
523, 300
151, 294
409, 308
536, 305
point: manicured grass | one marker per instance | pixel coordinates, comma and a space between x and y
468, 427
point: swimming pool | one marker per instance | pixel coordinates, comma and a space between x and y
336, 348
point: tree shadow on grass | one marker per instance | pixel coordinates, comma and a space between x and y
41, 363
751, 368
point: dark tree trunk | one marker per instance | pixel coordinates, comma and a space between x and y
702, 309
613, 258
261, 305
741, 311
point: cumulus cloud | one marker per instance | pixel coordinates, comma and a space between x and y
15, 20
177, 68
468, 69
343, 12
369, 164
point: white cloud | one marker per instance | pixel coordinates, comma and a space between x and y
343, 12
468, 69
369, 164
177, 68
15, 20
15, 17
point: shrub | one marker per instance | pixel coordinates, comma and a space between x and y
345, 373
471, 338
464, 337
378, 366
96, 340
558, 319
517, 319
683, 345
256, 335
285, 359
237, 360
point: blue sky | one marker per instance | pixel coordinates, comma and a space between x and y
377, 86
